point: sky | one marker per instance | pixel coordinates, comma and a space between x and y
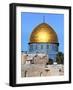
30, 20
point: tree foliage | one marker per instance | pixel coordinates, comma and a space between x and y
50, 61
60, 58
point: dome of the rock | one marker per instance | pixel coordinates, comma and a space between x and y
43, 39
43, 33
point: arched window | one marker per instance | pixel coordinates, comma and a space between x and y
41, 74
31, 47
36, 46
41, 46
47, 46
26, 74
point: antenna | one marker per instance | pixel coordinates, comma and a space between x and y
43, 19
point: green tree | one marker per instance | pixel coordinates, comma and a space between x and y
60, 58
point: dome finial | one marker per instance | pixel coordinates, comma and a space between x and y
43, 19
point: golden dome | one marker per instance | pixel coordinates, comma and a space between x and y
43, 33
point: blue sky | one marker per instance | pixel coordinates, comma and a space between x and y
30, 20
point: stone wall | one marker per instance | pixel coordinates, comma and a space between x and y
42, 70
34, 58
38, 66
